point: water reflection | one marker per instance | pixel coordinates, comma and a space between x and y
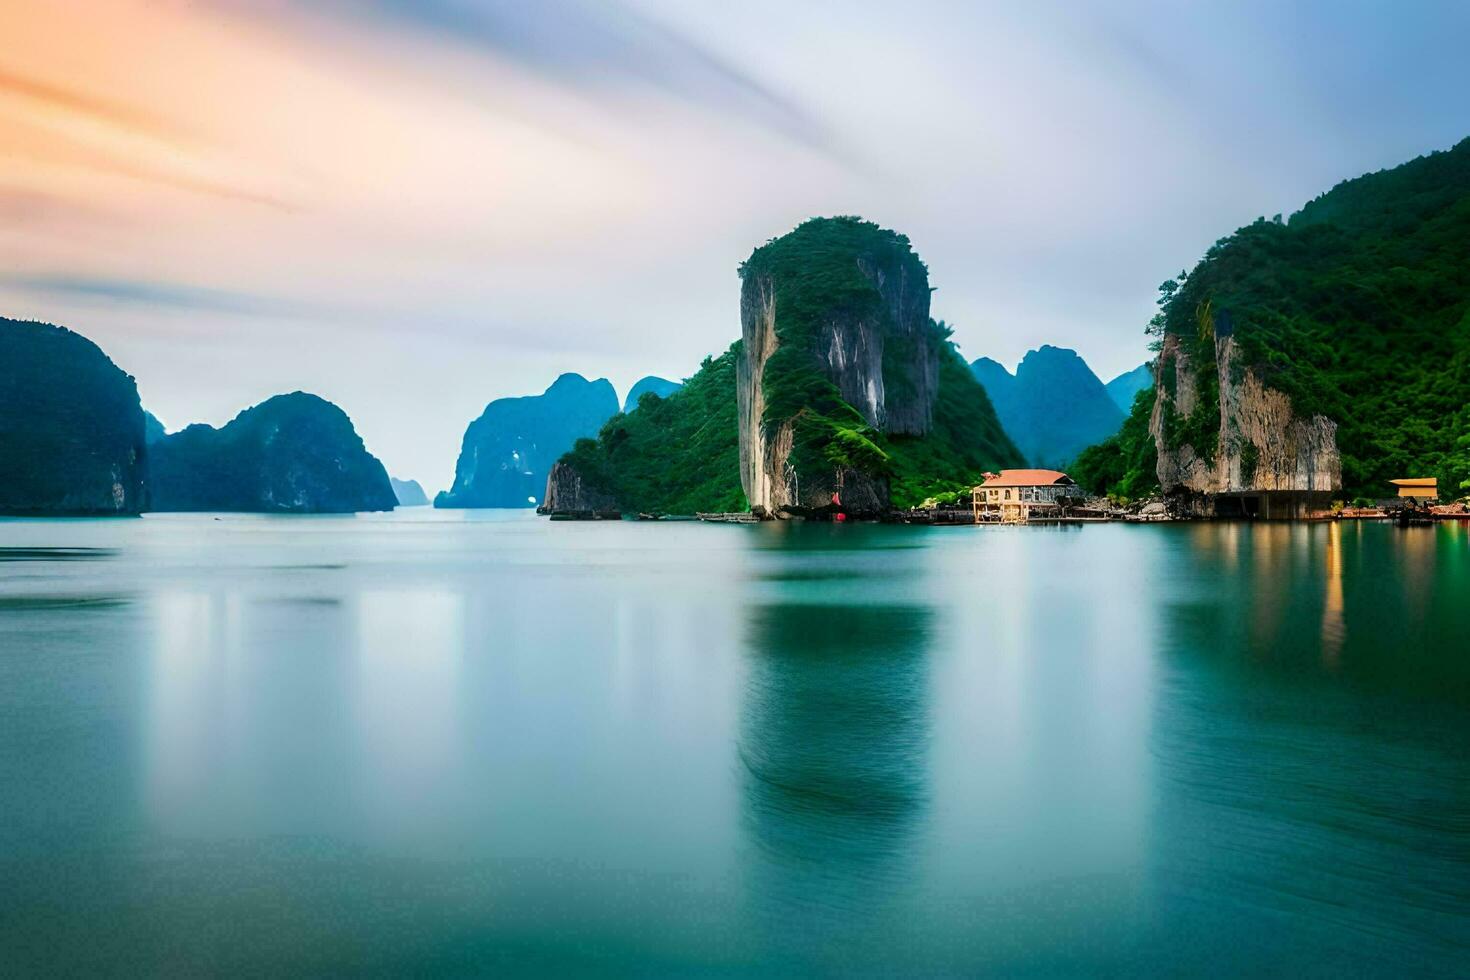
405, 702
295, 746
1333, 629
1309, 730
832, 748
1381, 605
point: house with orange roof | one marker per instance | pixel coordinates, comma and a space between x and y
1418, 488
1019, 496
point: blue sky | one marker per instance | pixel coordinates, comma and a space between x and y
414, 206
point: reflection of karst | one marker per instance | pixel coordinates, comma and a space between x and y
832, 745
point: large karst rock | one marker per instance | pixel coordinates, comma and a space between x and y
509, 450
837, 349
842, 396
295, 453
1328, 353
1261, 442
72, 436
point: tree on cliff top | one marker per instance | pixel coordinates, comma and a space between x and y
1124, 466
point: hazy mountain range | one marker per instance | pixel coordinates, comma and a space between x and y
509, 450
1054, 406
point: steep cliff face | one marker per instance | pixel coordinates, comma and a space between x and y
839, 350
508, 451
1328, 352
569, 492
72, 438
1259, 442
293, 453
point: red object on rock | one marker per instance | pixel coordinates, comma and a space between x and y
839, 517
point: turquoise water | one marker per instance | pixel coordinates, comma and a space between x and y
446, 742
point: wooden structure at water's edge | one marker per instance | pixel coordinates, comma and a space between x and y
1023, 496
1418, 488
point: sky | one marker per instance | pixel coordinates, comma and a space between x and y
412, 207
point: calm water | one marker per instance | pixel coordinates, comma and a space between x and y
440, 742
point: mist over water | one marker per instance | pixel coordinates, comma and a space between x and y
479, 740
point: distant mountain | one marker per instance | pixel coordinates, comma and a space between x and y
409, 493
509, 450
1000, 385
1125, 386
293, 453
1053, 407
662, 387
71, 428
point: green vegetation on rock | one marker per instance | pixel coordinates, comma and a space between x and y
827, 269
1125, 466
873, 393
1358, 309
674, 455
965, 442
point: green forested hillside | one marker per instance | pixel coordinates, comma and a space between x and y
1125, 465
1358, 308
965, 441
674, 455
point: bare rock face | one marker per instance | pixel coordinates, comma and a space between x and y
568, 493
1262, 443
844, 306
762, 453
